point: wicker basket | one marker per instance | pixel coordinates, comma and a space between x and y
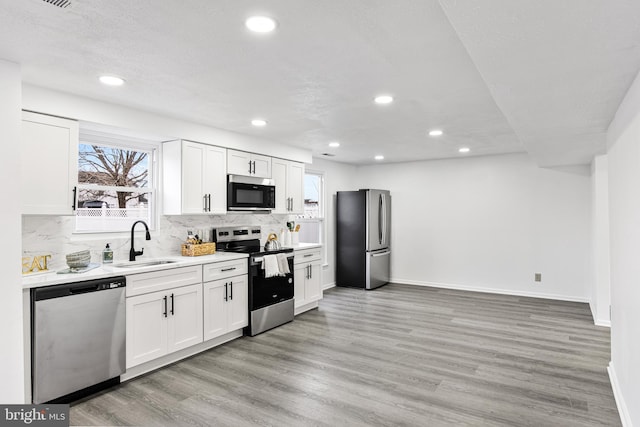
190, 249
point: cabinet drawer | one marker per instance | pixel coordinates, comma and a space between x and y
138, 284
307, 255
223, 269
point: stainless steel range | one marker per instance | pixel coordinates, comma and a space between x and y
270, 298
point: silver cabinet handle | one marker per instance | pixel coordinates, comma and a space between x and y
307, 255
228, 269
249, 167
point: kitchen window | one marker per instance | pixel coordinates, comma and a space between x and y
116, 183
312, 224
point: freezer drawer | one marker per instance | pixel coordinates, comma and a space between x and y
378, 268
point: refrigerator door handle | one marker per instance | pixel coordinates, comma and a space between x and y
384, 219
380, 213
377, 254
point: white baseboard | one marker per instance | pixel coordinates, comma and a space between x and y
491, 290
329, 286
596, 321
152, 365
593, 312
605, 323
625, 417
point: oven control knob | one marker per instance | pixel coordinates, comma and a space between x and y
290, 280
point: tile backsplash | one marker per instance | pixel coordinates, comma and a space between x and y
54, 235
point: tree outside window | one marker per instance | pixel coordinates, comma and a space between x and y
113, 187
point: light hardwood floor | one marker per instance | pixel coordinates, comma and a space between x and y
399, 355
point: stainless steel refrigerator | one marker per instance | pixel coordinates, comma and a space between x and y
363, 249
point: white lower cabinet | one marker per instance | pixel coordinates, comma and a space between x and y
175, 313
163, 322
225, 306
306, 276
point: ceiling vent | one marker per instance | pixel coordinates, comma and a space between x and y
59, 3
328, 154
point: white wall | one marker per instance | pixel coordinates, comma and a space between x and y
623, 140
600, 289
11, 349
338, 177
149, 124
488, 223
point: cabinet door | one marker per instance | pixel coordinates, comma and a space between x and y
279, 176
193, 155
238, 303
295, 187
49, 164
261, 166
238, 163
300, 273
146, 328
313, 290
215, 179
215, 309
185, 317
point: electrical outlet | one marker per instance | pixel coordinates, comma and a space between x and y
538, 277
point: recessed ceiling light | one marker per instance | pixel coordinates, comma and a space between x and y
259, 122
379, 157
334, 144
383, 99
464, 150
111, 80
435, 132
260, 24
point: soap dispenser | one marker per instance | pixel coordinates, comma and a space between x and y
107, 255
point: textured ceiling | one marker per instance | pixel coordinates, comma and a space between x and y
498, 76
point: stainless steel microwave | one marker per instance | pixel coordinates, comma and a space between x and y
246, 193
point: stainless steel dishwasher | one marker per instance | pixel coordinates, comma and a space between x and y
78, 338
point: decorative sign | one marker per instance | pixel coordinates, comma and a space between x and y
35, 264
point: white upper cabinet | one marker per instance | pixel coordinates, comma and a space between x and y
248, 164
194, 178
49, 164
289, 181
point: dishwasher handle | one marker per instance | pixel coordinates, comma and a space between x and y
84, 289
77, 288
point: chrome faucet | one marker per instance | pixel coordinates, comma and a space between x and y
133, 253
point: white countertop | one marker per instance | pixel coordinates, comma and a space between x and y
109, 270
305, 246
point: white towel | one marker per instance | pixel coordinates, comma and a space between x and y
270, 266
283, 264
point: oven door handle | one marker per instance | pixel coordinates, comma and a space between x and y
258, 260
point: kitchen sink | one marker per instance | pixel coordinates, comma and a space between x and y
149, 263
